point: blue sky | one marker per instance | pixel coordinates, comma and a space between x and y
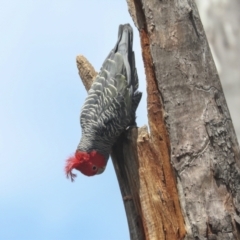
41, 96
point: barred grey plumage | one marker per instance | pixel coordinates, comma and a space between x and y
112, 99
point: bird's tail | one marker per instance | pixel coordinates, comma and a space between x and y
124, 47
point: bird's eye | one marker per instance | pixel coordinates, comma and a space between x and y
94, 168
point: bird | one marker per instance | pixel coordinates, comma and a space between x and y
109, 109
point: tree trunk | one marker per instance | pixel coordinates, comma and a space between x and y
204, 149
182, 179
221, 22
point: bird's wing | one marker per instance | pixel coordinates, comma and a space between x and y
113, 97
108, 104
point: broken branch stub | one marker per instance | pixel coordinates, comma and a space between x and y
86, 71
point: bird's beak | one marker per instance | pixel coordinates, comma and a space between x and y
100, 170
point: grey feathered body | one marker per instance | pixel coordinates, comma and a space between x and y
112, 99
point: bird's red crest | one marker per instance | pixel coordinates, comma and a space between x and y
87, 163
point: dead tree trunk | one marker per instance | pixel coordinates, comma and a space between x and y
204, 150
221, 22
180, 180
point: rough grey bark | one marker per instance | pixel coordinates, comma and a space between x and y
125, 160
221, 20
204, 149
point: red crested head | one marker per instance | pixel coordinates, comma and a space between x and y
89, 164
